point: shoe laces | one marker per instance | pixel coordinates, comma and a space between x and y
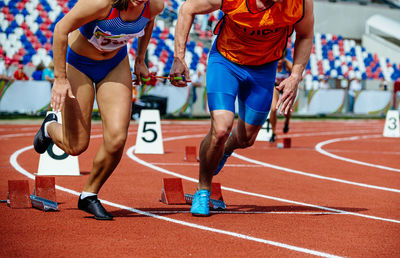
203, 200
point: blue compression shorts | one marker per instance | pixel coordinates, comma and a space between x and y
96, 70
253, 85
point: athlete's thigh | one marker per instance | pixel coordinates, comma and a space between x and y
255, 95
77, 112
222, 83
114, 99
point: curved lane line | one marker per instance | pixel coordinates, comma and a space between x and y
315, 175
319, 146
130, 154
14, 163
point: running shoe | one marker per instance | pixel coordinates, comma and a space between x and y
201, 203
222, 163
272, 138
286, 128
93, 206
41, 142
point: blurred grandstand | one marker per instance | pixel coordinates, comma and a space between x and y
27, 27
345, 47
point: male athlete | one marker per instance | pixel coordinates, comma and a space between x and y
252, 36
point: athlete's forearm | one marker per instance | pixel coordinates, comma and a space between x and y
143, 42
304, 40
182, 28
302, 51
186, 15
60, 45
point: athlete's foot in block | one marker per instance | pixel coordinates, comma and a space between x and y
41, 142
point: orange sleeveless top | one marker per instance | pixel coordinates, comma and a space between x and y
247, 36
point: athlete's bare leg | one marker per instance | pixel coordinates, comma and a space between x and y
287, 120
114, 100
243, 136
217, 142
213, 145
74, 133
272, 115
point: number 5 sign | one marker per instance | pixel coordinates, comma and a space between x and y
149, 137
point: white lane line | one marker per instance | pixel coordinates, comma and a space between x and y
14, 163
249, 212
319, 146
16, 135
130, 154
364, 151
312, 134
294, 171
196, 164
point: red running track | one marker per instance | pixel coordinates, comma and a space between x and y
335, 192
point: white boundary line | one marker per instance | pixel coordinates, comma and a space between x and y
247, 212
275, 167
294, 171
196, 164
319, 146
130, 154
14, 163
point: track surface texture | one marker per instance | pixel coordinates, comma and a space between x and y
335, 192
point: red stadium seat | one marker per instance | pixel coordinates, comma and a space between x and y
48, 46
5, 10
39, 7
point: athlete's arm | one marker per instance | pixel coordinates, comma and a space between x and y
141, 70
289, 65
304, 39
83, 12
186, 15
302, 50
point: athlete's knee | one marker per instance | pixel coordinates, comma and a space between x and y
222, 123
77, 149
115, 142
221, 134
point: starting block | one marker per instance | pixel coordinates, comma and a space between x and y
172, 193
45, 187
43, 204
190, 153
18, 194
44, 194
287, 142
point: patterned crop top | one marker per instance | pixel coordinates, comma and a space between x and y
112, 32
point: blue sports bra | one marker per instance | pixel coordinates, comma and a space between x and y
112, 32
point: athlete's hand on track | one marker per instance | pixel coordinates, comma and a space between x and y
178, 69
61, 88
288, 87
140, 72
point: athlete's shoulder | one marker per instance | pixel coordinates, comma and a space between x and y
156, 7
97, 4
229, 5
